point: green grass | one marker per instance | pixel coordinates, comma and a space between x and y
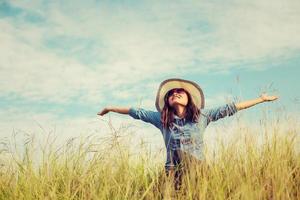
247, 167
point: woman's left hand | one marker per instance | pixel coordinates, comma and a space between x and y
266, 97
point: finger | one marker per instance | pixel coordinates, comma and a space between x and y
274, 98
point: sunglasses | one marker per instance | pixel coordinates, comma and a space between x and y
178, 90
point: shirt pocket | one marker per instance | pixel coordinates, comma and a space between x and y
190, 131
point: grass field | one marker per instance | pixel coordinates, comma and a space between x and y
245, 168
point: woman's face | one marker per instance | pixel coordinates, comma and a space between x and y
177, 96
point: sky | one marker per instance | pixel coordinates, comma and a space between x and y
61, 62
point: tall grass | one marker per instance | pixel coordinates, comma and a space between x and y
89, 168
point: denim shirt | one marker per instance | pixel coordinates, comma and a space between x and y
185, 135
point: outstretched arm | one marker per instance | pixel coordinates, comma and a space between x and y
121, 110
249, 103
149, 116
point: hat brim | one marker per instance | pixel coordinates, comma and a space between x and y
193, 88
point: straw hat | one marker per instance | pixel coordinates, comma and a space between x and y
169, 84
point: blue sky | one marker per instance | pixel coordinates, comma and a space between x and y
62, 62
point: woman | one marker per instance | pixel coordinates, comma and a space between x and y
182, 119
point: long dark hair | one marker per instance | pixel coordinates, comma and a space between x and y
167, 114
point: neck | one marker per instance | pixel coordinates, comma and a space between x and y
180, 110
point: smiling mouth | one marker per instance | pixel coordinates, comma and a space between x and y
176, 97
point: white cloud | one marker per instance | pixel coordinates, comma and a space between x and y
254, 30
37, 75
139, 43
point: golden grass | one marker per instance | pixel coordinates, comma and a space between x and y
245, 168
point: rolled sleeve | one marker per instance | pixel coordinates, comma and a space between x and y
146, 116
217, 113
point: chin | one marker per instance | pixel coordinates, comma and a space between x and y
176, 102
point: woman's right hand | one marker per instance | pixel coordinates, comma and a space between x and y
266, 97
103, 112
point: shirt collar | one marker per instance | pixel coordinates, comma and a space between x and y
179, 119
176, 117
